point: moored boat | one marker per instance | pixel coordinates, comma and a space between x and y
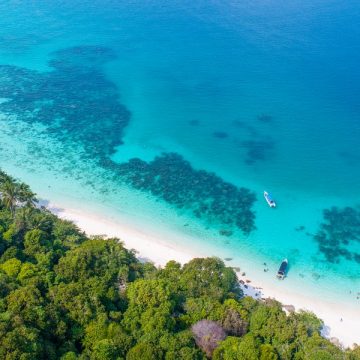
282, 270
269, 199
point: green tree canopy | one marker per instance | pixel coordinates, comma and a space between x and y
66, 296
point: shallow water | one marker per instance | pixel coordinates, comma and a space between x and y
252, 95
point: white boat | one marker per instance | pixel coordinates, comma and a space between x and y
269, 199
282, 270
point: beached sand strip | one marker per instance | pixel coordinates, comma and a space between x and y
341, 322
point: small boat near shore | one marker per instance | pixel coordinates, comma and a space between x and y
282, 270
269, 199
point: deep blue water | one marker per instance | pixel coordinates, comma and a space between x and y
256, 94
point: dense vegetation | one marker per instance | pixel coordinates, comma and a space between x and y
64, 295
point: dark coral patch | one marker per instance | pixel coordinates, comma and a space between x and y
264, 118
340, 229
208, 197
220, 134
257, 150
74, 100
80, 57
250, 130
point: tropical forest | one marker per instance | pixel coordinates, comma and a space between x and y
64, 295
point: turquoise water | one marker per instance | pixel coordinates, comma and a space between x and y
218, 101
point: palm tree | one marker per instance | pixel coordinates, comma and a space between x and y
13, 194
26, 196
29, 218
9, 194
23, 218
4, 177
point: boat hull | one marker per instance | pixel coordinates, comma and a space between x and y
281, 274
269, 199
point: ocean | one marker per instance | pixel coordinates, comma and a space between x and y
178, 115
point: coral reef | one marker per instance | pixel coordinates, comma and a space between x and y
256, 142
257, 150
338, 232
74, 100
79, 107
208, 197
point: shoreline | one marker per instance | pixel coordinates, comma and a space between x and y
341, 323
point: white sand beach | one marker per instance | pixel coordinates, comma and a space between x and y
341, 322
